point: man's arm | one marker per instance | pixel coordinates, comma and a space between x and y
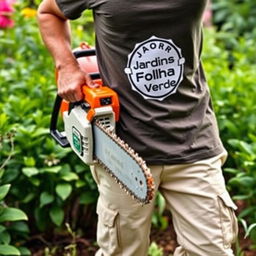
55, 31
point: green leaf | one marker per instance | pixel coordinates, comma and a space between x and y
2, 228
4, 191
242, 197
35, 181
70, 176
246, 147
231, 170
3, 119
40, 131
30, 171
5, 237
80, 183
154, 220
24, 251
12, 214
54, 169
10, 175
245, 181
8, 250
46, 198
28, 198
247, 211
29, 161
234, 142
81, 168
250, 228
63, 190
161, 203
19, 227
57, 215
1, 173
243, 222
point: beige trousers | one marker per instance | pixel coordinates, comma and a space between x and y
201, 208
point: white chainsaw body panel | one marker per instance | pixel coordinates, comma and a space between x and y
79, 130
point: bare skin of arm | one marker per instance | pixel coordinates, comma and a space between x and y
55, 31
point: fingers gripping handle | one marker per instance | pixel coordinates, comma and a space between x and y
55, 133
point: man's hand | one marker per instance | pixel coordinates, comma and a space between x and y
70, 82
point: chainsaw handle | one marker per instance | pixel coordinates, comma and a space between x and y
87, 53
60, 138
84, 53
55, 133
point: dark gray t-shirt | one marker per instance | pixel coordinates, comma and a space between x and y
149, 52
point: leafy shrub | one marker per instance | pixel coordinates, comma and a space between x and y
234, 96
48, 182
236, 15
11, 225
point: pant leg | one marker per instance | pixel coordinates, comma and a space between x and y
202, 210
123, 224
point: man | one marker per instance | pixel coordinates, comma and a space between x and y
149, 53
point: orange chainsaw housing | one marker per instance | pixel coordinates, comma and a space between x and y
100, 96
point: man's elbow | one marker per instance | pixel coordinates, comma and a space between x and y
41, 11
47, 9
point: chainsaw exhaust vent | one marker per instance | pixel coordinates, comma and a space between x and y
105, 121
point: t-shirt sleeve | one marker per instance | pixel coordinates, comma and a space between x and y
72, 9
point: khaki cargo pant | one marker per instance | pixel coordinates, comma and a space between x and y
202, 211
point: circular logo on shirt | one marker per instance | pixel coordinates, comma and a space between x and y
155, 68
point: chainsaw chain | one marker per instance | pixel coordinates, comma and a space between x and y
109, 131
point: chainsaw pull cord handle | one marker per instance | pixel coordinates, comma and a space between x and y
55, 133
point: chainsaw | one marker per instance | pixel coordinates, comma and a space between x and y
89, 128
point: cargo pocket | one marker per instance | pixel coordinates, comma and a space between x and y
228, 219
107, 230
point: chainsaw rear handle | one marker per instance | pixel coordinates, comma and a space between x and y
55, 133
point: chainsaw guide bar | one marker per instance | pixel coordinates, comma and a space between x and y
127, 165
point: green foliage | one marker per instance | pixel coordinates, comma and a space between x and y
46, 179
6, 249
154, 250
236, 16
158, 219
231, 76
10, 223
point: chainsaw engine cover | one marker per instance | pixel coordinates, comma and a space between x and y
79, 130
